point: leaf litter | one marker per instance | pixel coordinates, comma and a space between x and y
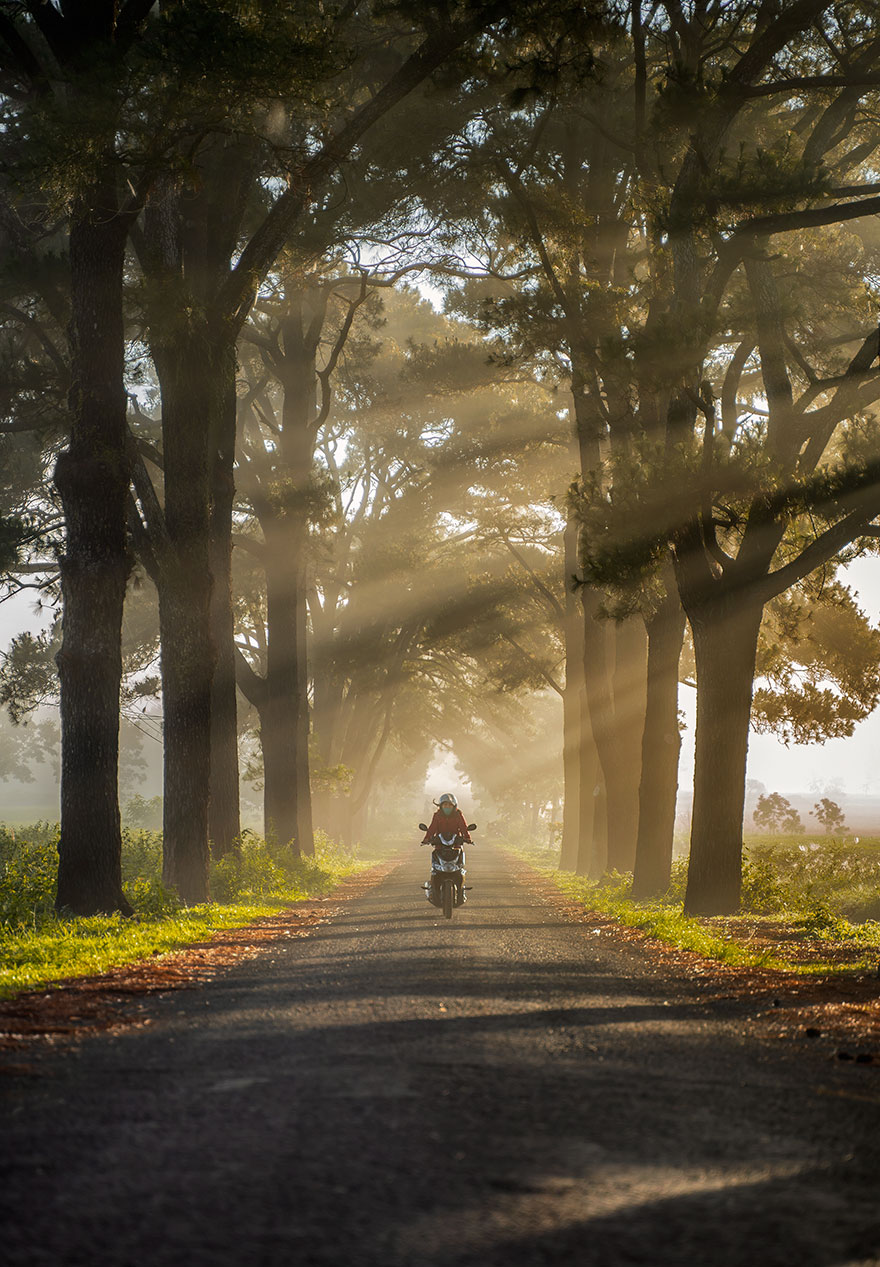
843, 1007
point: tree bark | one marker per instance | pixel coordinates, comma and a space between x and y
592, 845
629, 684
188, 376
573, 702
614, 670
92, 478
593, 851
305, 836
224, 812
661, 745
278, 718
571, 767
725, 634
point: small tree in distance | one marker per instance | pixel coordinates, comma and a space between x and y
830, 815
774, 813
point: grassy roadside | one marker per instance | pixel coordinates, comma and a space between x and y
38, 948
781, 927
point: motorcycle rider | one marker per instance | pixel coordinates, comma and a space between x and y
447, 819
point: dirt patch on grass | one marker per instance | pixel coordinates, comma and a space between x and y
116, 999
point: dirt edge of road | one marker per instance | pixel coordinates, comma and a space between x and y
116, 999
843, 1010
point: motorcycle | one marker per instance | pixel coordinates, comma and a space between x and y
446, 888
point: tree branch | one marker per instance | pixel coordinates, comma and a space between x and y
239, 291
252, 686
326, 373
551, 681
542, 589
795, 83
808, 218
821, 550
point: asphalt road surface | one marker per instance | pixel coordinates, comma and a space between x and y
394, 1089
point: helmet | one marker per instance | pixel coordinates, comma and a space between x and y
447, 799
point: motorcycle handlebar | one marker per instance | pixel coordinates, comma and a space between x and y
467, 842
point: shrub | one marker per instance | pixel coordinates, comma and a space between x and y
150, 897
28, 875
141, 856
248, 871
822, 921
763, 889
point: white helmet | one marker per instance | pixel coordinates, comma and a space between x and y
447, 799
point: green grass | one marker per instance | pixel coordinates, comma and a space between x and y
37, 947
777, 901
668, 923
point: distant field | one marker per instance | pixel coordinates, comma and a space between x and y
808, 839
23, 817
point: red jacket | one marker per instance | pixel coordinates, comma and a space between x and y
448, 823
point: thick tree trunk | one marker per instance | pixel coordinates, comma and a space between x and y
224, 820
287, 800
571, 769
278, 718
661, 744
629, 684
288, 793
725, 646
189, 379
592, 848
279, 808
615, 672
187, 672
92, 478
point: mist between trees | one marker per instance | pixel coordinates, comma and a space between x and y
633, 448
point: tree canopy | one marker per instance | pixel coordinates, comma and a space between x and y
449, 378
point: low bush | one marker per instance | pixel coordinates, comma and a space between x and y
28, 874
37, 946
264, 869
788, 875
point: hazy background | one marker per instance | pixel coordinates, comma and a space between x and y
848, 770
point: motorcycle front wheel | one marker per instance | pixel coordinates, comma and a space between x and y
448, 899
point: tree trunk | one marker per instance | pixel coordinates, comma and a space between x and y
592, 837
661, 744
189, 378
725, 645
224, 812
629, 683
614, 670
571, 766
573, 705
187, 671
92, 478
305, 836
278, 718
600, 827
284, 733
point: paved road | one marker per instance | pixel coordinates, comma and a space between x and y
395, 1090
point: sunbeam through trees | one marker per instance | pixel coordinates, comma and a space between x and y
385, 384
